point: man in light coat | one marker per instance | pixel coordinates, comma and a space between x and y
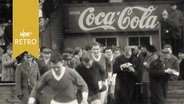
8, 65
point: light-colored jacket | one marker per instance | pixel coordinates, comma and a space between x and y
27, 76
8, 71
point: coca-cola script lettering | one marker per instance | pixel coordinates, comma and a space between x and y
90, 20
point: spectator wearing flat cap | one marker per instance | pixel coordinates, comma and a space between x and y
151, 55
44, 64
170, 49
76, 59
68, 56
69, 51
159, 74
172, 60
9, 64
181, 64
68, 62
27, 75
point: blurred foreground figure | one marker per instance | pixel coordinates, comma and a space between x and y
90, 71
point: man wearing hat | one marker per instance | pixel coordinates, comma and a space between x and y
167, 27
172, 25
27, 75
68, 56
44, 64
159, 73
9, 64
178, 19
127, 68
172, 61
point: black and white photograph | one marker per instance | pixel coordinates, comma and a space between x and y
97, 52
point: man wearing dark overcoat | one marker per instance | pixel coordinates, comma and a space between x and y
159, 74
128, 71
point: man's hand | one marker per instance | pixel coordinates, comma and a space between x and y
131, 69
169, 71
174, 72
123, 66
31, 100
129, 64
84, 98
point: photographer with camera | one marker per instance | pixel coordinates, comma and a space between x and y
159, 73
128, 72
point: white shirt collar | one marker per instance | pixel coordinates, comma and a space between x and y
60, 76
111, 58
46, 61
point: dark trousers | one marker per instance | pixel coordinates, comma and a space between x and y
123, 92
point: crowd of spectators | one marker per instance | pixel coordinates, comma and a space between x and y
111, 73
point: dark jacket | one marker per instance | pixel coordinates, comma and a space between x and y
43, 67
158, 82
125, 75
125, 80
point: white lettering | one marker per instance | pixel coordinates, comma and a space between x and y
25, 41
16, 41
135, 22
125, 19
25, 34
109, 18
98, 17
89, 17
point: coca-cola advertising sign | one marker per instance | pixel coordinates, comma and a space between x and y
114, 18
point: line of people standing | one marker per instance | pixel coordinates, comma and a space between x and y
98, 76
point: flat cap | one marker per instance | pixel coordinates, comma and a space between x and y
69, 50
47, 50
